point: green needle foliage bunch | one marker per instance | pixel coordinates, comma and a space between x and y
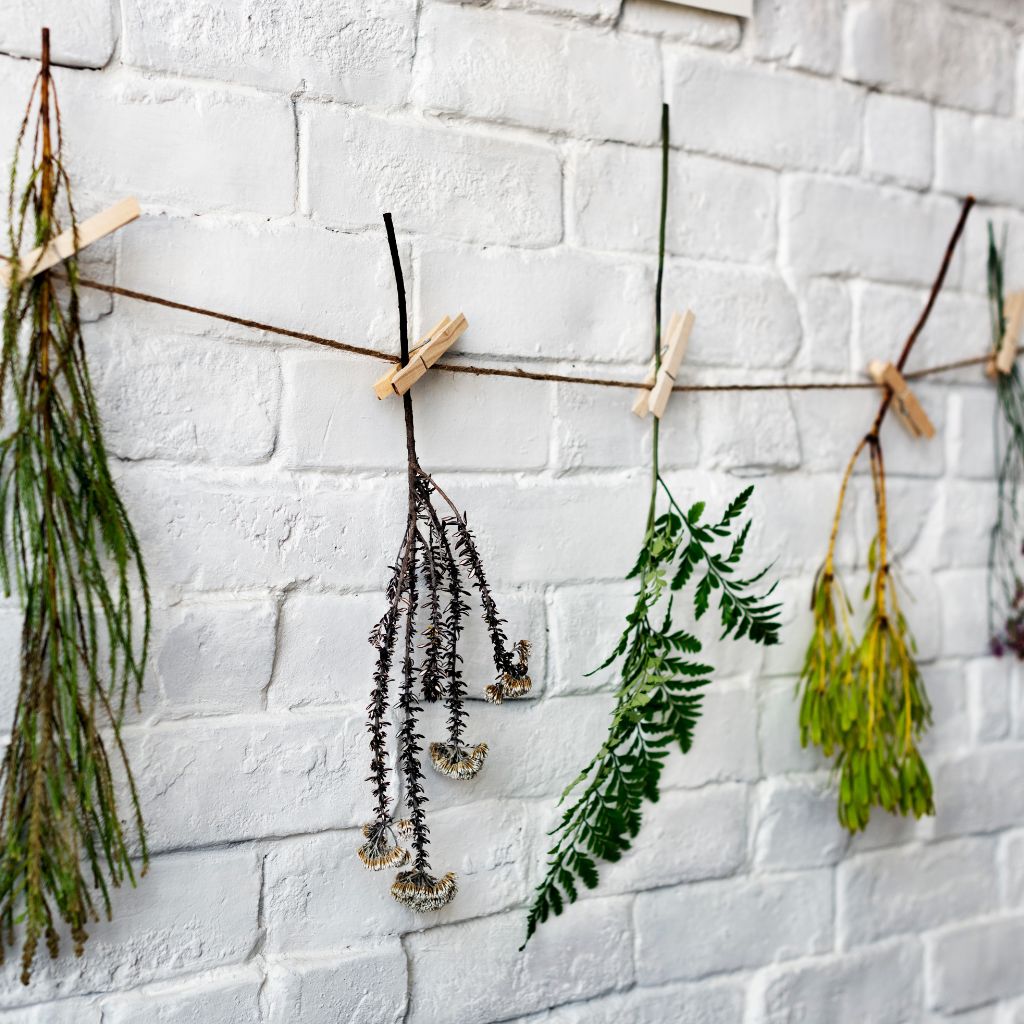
68, 549
863, 700
659, 697
1005, 553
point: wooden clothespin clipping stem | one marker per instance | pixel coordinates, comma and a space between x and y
673, 350
73, 240
904, 402
425, 353
1013, 310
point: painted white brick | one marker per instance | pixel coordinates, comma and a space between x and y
685, 25
178, 144
686, 837
10, 662
452, 183
556, 303
975, 963
807, 39
786, 658
798, 540
265, 775
950, 731
582, 439
972, 433
837, 227
215, 657
972, 154
324, 657
755, 437
186, 258
521, 734
350, 985
585, 624
988, 682
345, 49
1012, 869
725, 745
716, 209
219, 405
746, 316
882, 985
83, 34
259, 533
682, 1004
965, 534
224, 997
913, 889
797, 825
192, 912
323, 654
964, 612
886, 314
744, 923
1004, 10
898, 140
319, 896
777, 119
926, 50
977, 793
332, 419
560, 549
67, 1011
826, 317
584, 953
590, 10
507, 67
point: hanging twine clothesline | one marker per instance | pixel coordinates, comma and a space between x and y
516, 373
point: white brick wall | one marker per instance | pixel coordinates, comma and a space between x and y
819, 153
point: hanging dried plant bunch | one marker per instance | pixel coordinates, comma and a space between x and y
864, 702
658, 701
439, 556
69, 551
1006, 544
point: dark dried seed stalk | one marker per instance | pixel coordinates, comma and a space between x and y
427, 559
69, 550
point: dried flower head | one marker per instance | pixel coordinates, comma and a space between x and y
422, 892
381, 849
457, 761
509, 687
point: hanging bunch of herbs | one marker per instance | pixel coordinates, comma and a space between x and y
864, 702
439, 558
1006, 544
68, 550
658, 699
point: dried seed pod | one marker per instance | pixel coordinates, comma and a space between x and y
422, 892
381, 849
457, 761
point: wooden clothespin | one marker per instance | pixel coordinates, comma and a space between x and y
673, 349
73, 240
906, 405
424, 354
1003, 360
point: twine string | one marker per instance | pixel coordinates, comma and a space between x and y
516, 372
